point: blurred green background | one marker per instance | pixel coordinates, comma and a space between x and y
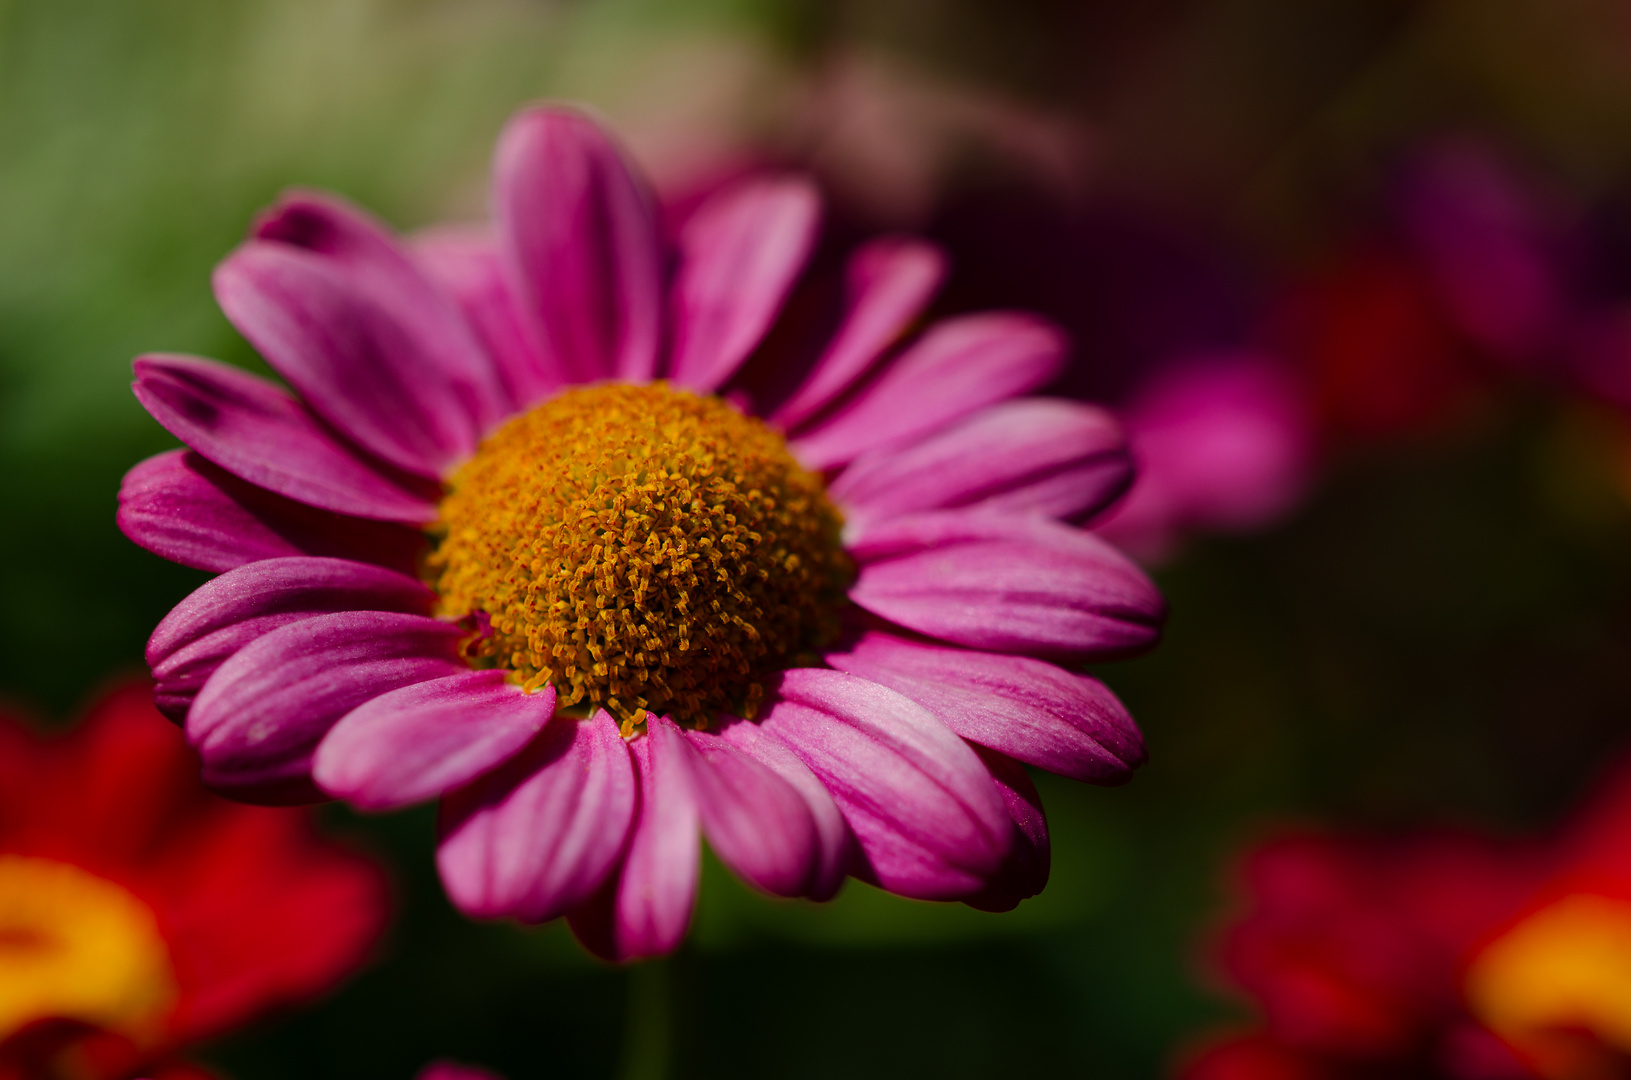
1440, 633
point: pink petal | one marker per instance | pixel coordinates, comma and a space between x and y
466, 263
1025, 872
890, 282
833, 839
739, 255
1002, 584
258, 719
1028, 709
758, 823
1038, 455
180, 507
647, 909
958, 367
542, 833
418, 741
928, 820
353, 360
579, 229
449, 1070
369, 255
228, 612
259, 433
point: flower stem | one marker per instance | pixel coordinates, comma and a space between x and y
648, 1034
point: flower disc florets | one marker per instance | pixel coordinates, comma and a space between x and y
641, 548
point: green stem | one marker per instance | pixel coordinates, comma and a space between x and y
648, 1034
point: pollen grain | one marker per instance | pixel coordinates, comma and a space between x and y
641, 548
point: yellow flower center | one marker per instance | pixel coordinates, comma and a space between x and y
641, 548
1557, 986
78, 947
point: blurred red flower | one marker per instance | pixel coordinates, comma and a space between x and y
1437, 954
140, 913
1381, 355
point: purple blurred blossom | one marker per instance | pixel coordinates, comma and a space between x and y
1223, 443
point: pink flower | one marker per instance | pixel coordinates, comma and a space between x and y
1224, 443
636, 622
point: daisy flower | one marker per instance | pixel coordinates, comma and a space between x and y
610, 545
140, 913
